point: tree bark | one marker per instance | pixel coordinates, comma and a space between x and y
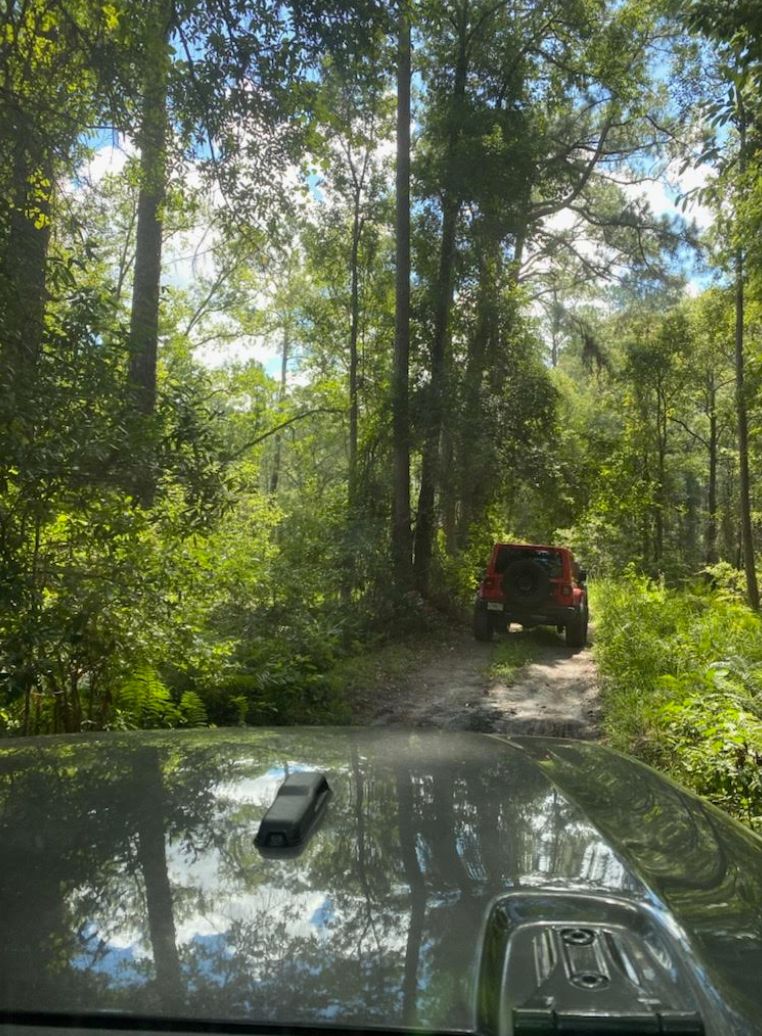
25, 255
144, 318
402, 542
660, 509
425, 517
475, 485
354, 328
449, 492
430, 467
747, 539
711, 522
284, 354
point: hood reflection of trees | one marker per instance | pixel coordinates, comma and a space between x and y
131, 848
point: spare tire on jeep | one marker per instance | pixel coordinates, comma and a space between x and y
526, 583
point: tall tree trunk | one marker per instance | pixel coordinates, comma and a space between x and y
284, 354
23, 265
711, 522
555, 328
690, 534
402, 542
660, 494
144, 319
747, 539
349, 577
518, 252
474, 457
354, 329
449, 492
728, 522
430, 468
661, 503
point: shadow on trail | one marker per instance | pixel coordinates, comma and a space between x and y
554, 693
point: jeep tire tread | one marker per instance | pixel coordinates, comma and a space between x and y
576, 630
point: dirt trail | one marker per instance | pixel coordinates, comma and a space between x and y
450, 687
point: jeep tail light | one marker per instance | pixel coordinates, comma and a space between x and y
566, 590
489, 583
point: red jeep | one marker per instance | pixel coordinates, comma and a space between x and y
533, 585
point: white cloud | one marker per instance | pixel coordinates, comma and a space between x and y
664, 192
108, 159
240, 350
693, 178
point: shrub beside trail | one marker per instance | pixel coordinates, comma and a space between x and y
682, 686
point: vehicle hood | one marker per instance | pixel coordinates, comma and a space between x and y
129, 878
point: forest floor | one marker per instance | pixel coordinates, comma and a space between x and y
527, 682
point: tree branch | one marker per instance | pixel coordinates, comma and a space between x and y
685, 428
548, 210
279, 427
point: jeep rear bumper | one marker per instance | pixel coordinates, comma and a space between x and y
548, 615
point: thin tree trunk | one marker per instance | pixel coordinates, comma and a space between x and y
660, 509
402, 542
555, 328
747, 539
144, 319
518, 254
728, 525
711, 523
449, 492
690, 535
349, 578
659, 512
284, 355
354, 326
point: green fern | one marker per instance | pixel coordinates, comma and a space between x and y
192, 710
143, 701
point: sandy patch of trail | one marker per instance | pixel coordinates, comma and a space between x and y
450, 686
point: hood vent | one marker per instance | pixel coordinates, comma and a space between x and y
579, 964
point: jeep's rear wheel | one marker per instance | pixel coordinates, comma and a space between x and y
576, 630
483, 628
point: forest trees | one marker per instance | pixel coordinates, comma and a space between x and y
174, 524
114, 469
525, 110
738, 37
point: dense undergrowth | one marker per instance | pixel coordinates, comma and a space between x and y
682, 685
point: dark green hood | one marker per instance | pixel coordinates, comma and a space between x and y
129, 879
